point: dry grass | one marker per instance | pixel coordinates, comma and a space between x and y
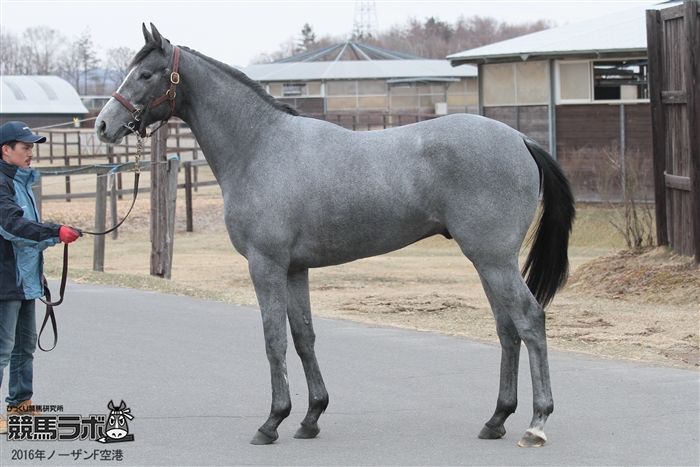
427, 286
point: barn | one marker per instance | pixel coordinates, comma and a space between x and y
39, 100
352, 78
581, 90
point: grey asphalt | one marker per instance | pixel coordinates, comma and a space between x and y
195, 376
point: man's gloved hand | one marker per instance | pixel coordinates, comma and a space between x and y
68, 234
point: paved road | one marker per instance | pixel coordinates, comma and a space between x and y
195, 376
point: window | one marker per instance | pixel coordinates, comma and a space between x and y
575, 81
293, 89
620, 80
499, 84
371, 87
520, 83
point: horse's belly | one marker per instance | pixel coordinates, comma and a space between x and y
347, 241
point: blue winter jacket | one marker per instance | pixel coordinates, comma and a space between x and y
23, 237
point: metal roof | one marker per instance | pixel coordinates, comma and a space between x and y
617, 34
39, 95
349, 50
418, 70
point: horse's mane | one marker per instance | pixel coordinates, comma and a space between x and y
234, 73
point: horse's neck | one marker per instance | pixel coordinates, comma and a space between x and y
227, 117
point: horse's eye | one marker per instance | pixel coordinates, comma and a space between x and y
146, 74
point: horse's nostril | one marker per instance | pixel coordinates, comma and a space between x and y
102, 126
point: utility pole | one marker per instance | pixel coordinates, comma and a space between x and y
365, 22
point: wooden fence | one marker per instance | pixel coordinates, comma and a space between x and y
673, 38
164, 161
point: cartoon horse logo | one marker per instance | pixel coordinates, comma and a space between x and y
116, 426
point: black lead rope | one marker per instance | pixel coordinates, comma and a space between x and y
49, 315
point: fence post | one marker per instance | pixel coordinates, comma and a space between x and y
113, 206
170, 204
80, 146
66, 160
188, 196
98, 255
195, 156
658, 122
623, 143
163, 196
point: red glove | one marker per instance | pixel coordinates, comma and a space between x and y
67, 234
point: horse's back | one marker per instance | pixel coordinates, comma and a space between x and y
482, 140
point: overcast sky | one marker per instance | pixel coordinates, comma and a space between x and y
237, 31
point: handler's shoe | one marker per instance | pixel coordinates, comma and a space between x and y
23, 408
3, 425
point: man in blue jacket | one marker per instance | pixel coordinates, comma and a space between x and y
23, 238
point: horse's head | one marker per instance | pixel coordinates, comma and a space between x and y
117, 426
146, 95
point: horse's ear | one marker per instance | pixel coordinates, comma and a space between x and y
122, 405
146, 34
156, 36
110, 406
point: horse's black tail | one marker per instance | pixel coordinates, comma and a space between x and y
547, 266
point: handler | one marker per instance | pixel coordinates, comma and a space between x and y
22, 240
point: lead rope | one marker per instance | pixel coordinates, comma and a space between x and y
49, 315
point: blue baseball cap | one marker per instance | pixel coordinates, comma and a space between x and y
18, 131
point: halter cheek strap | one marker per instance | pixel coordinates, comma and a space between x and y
169, 95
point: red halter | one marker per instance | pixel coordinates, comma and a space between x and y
169, 95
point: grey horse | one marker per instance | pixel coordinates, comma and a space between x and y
303, 193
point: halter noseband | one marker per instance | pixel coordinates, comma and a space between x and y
169, 96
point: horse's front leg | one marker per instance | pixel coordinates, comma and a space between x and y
270, 281
299, 313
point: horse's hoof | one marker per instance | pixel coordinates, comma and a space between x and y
488, 432
307, 432
533, 438
261, 438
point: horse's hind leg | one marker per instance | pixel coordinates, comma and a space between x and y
299, 314
509, 296
508, 388
270, 281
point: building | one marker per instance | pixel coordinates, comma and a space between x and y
39, 100
357, 79
580, 90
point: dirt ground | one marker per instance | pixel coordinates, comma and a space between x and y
643, 306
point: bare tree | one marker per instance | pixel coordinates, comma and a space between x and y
286, 49
308, 38
431, 38
40, 45
70, 64
87, 55
10, 55
118, 61
625, 192
35, 52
